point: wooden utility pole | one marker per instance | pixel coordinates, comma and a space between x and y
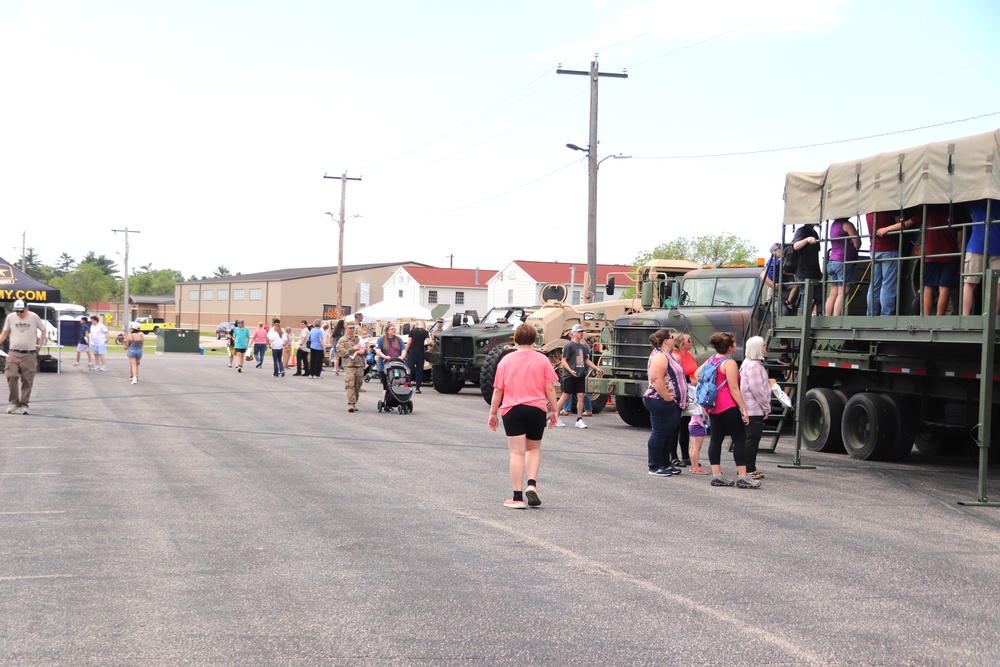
125, 294
589, 292
340, 245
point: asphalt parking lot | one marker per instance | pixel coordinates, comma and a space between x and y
205, 517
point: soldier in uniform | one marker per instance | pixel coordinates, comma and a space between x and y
352, 362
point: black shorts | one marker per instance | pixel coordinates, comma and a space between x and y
241, 349
573, 384
525, 420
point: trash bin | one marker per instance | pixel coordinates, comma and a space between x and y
178, 340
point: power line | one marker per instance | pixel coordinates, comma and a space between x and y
823, 143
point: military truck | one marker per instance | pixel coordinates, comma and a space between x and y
702, 302
554, 320
461, 350
876, 385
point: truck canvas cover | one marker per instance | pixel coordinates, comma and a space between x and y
959, 170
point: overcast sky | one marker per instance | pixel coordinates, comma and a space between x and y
208, 124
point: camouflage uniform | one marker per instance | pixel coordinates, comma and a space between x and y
353, 369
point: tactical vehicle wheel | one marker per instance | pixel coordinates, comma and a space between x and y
906, 426
489, 370
822, 413
632, 411
446, 382
598, 402
868, 427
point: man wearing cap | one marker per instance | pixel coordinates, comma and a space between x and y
575, 362
352, 363
26, 332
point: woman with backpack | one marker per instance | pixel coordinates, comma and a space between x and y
665, 397
719, 393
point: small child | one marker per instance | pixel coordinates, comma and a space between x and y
697, 431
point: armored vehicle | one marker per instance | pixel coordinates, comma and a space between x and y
461, 350
702, 302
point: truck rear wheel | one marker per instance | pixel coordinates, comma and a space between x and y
489, 370
906, 427
446, 382
868, 427
156, 331
632, 411
822, 413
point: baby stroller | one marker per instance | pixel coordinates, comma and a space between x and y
371, 366
398, 393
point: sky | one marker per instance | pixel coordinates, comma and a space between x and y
208, 125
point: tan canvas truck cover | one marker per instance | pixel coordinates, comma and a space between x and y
959, 170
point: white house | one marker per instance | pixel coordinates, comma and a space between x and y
520, 281
459, 289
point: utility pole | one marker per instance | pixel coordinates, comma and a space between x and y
451, 260
340, 245
23, 250
589, 283
126, 231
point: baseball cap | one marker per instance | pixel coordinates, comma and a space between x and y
19, 305
350, 324
775, 247
576, 328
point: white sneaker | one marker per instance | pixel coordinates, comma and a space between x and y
103, 368
580, 424
135, 380
781, 396
77, 363
11, 408
23, 410
560, 424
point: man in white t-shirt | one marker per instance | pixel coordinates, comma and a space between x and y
26, 331
98, 343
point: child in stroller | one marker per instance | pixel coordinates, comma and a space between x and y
398, 392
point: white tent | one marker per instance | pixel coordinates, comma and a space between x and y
394, 308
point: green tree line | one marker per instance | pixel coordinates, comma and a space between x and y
96, 278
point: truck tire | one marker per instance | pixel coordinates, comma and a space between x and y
156, 331
489, 370
598, 402
446, 382
822, 413
905, 426
868, 427
632, 411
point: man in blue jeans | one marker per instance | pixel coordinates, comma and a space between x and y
884, 228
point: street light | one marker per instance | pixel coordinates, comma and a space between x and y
593, 164
340, 259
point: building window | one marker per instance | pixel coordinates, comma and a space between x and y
510, 297
206, 295
576, 297
459, 298
255, 294
147, 313
223, 295
193, 295
237, 295
432, 296
400, 294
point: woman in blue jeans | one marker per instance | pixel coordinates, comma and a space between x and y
665, 397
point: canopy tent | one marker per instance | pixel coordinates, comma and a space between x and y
394, 308
959, 170
14, 284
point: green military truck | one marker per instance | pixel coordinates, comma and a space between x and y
459, 352
875, 385
702, 302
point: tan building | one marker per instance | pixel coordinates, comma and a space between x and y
289, 294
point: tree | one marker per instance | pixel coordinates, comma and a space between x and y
107, 266
710, 249
222, 272
85, 284
65, 265
32, 264
155, 283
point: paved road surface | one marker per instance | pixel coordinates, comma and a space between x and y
203, 517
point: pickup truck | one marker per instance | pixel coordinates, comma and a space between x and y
153, 324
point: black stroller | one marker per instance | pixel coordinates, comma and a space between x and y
398, 393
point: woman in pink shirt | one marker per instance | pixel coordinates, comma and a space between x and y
524, 395
259, 339
729, 416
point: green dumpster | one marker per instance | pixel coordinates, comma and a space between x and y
178, 340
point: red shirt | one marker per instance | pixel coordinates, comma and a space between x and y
522, 375
939, 238
889, 242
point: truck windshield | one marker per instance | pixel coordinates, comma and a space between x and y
721, 292
513, 316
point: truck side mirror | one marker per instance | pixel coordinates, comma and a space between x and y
647, 295
610, 289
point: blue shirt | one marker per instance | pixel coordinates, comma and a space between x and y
977, 237
241, 338
316, 338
